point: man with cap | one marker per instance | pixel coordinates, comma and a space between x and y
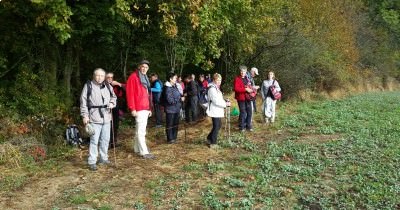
97, 100
138, 94
253, 73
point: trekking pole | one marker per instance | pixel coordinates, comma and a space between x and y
112, 128
229, 123
226, 123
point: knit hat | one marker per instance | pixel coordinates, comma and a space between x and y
144, 62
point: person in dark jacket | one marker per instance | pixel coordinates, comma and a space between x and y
173, 99
119, 90
156, 88
192, 101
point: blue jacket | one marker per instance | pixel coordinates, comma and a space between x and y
156, 88
173, 97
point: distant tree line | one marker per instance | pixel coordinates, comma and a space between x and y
49, 48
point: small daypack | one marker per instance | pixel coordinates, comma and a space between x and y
72, 136
204, 100
276, 95
163, 97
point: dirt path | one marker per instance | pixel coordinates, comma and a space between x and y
118, 184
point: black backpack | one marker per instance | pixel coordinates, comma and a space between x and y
72, 136
163, 97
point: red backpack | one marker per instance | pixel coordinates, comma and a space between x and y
276, 95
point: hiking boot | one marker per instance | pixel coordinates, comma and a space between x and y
148, 156
171, 142
105, 162
251, 129
214, 146
92, 167
242, 130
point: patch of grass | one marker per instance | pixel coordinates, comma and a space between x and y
12, 182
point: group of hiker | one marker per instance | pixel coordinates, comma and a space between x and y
102, 100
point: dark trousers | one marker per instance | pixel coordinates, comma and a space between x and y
157, 113
192, 109
213, 135
245, 115
171, 126
254, 105
115, 126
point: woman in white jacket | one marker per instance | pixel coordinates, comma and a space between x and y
269, 102
215, 109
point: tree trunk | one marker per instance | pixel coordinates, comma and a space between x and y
68, 69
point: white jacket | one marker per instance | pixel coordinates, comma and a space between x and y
217, 102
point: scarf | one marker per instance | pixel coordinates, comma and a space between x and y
144, 80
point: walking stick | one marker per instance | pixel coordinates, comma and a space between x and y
226, 124
229, 123
113, 134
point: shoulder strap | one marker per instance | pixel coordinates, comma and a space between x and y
88, 93
108, 85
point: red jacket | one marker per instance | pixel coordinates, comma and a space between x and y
239, 88
137, 96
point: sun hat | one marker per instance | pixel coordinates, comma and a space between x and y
89, 129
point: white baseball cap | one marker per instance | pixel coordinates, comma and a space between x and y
255, 70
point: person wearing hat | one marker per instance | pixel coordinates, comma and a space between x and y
96, 101
253, 73
138, 95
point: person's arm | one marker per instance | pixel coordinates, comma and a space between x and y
262, 91
239, 86
113, 98
277, 87
130, 89
156, 88
84, 106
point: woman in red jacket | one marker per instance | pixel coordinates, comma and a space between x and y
242, 86
138, 95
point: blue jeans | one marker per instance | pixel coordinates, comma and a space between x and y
99, 142
245, 115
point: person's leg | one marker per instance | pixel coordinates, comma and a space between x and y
273, 106
242, 114
157, 110
216, 126
176, 124
169, 126
114, 127
268, 107
210, 136
254, 105
93, 146
249, 111
141, 123
104, 141
194, 104
188, 110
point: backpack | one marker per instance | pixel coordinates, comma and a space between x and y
72, 136
204, 101
163, 97
276, 95
89, 91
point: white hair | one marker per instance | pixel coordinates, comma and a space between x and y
98, 70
